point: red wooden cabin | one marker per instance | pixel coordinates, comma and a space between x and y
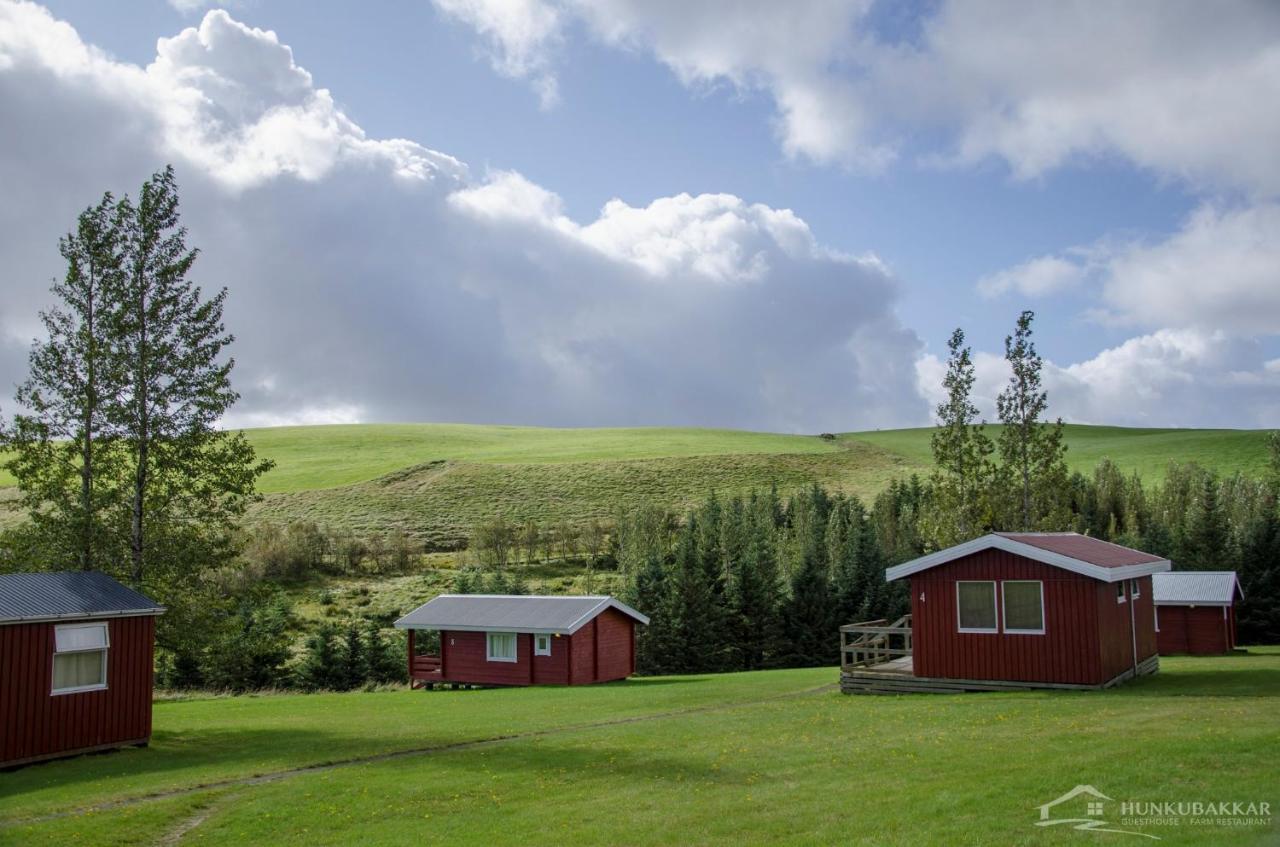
1012, 610
1195, 611
76, 664
487, 639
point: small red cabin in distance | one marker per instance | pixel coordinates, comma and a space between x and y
489, 639
1008, 610
1195, 611
75, 665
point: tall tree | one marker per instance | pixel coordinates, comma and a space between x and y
961, 453
1032, 452
65, 456
185, 473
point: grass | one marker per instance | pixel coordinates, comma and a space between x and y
312, 457
711, 760
436, 481
1146, 451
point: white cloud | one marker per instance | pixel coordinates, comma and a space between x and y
376, 280
1176, 87
1034, 278
1219, 272
521, 36
1183, 377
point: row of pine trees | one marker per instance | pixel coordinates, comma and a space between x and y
756, 582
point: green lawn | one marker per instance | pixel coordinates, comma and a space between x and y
726, 760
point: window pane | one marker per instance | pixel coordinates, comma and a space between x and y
74, 670
1022, 606
502, 645
977, 605
90, 637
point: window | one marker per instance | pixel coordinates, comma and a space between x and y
1157, 609
542, 645
976, 606
501, 646
80, 657
1119, 592
1135, 588
1023, 606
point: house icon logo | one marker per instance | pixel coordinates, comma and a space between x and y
1084, 808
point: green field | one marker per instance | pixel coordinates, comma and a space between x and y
436, 481
757, 758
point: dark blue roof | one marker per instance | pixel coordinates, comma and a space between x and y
68, 594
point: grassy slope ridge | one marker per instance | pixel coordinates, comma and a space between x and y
435, 481
756, 758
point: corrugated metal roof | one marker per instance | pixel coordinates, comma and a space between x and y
68, 594
1184, 588
1085, 548
512, 613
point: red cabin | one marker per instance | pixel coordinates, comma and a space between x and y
1012, 610
487, 639
1195, 611
76, 663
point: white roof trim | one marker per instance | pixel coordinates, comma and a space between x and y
78, 616
1029, 551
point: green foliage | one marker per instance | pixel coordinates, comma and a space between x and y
323, 665
963, 475
250, 650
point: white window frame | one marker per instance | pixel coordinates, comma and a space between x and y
488, 648
102, 651
1157, 611
994, 607
1120, 597
538, 649
1135, 589
1004, 608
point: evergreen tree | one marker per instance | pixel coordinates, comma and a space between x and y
807, 616
1258, 615
648, 596
355, 662
323, 666
386, 656
961, 454
1032, 452
188, 479
754, 598
65, 454
1206, 539
694, 646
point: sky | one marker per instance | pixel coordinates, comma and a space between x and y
638, 212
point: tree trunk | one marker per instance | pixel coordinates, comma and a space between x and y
86, 462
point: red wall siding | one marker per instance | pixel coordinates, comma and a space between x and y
1068, 651
584, 654
615, 645
463, 657
36, 723
1199, 630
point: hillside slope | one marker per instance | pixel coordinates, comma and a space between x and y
435, 481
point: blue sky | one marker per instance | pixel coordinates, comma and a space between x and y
649, 105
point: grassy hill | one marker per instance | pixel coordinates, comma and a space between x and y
773, 757
435, 481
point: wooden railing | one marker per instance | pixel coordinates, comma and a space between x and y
874, 642
423, 666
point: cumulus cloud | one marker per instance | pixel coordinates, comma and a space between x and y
376, 279
1175, 87
1034, 278
1184, 377
1220, 271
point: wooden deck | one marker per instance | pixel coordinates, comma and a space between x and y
897, 677
875, 658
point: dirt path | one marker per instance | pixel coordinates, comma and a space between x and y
175, 836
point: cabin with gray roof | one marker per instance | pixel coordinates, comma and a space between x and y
1196, 611
490, 639
76, 653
